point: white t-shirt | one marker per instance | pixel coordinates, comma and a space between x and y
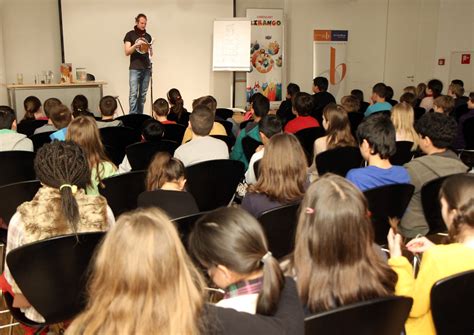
250, 176
201, 149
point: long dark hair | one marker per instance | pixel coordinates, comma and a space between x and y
234, 238
64, 163
175, 99
334, 260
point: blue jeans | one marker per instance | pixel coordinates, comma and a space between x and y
139, 81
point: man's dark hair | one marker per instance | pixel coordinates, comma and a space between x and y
292, 89
260, 105
50, 103
152, 130
270, 125
379, 132
108, 105
389, 93
440, 128
409, 98
207, 100
358, 94
161, 107
321, 83
7, 116
458, 82
303, 103
380, 89
202, 120
139, 16
436, 86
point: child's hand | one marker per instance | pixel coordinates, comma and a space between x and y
419, 245
394, 242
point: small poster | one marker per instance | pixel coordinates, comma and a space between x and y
266, 53
466, 59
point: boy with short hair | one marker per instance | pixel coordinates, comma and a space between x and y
107, 108
379, 92
202, 147
321, 97
443, 104
47, 106
285, 111
376, 137
9, 139
61, 117
161, 109
302, 106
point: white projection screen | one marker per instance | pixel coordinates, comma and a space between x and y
182, 32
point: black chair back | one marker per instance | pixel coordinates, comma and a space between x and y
227, 139
432, 206
279, 225
52, 273
307, 137
249, 145
386, 202
467, 157
174, 132
175, 203
16, 166
227, 126
224, 113
139, 155
121, 191
28, 127
419, 111
339, 160
468, 131
355, 118
256, 168
451, 304
40, 139
382, 316
185, 225
13, 195
134, 121
118, 138
403, 154
213, 183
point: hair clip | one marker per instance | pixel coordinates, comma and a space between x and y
265, 257
72, 187
309, 210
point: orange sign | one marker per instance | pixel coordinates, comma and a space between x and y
322, 35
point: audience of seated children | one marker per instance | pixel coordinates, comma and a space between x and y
338, 129
83, 131
259, 106
161, 109
403, 119
177, 113
61, 117
47, 106
166, 176
433, 90
201, 147
211, 104
232, 246
389, 96
302, 106
33, 110
460, 142
436, 134
439, 261
107, 108
9, 138
269, 125
443, 104
282, 176
376, 138
321, 97
379, 92
285, 111
142, 281
80, 106
335, 261
152, 131
59, 207
363, 105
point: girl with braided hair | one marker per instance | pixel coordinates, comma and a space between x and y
439, 261
83, 131
60, 207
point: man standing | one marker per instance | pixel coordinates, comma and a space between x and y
138, 47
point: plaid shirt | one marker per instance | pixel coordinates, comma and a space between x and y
253, 286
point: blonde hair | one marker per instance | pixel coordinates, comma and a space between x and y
403, 118
282, 170
142, 281
83, 131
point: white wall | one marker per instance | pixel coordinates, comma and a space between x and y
3, 75
94, 32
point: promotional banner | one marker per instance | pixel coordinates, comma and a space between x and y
266, 53
329, 59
